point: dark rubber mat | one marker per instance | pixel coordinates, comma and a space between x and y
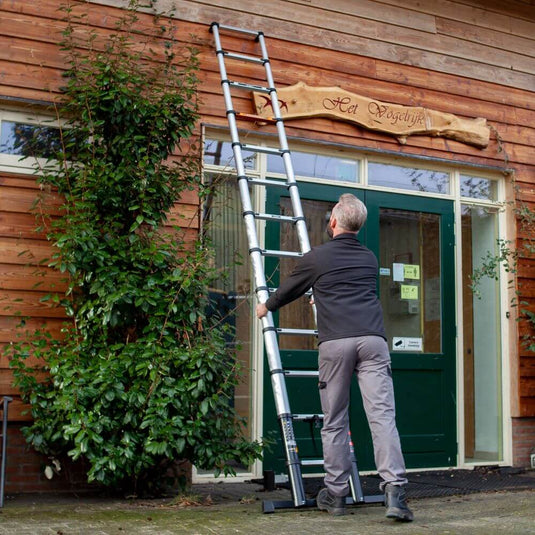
448, 482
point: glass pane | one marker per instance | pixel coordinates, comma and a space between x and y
408, 178
299, 315
29, 139
478, 188
317, 166
221, 153
481, 339
224, 226
410, 275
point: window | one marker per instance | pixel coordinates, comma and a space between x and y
24, 138
317, 166
220, 153
478, 188
481, 339
408, 178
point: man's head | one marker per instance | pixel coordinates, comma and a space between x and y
348, 215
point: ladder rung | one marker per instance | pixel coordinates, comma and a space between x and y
258, 148
310, 332
251, 87
234, 29
244, 57
275, 217
306, 417
261, 182
282, 254
312, 462
273, 290
301, 373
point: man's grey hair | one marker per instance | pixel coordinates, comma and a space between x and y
350, 212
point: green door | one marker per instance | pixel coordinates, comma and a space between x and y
413, 240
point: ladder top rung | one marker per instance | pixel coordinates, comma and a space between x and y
235, 29
244, 57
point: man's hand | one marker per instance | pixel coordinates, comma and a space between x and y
261, 310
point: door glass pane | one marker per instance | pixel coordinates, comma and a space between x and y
481, 340
408, 178
299, 314
410, 274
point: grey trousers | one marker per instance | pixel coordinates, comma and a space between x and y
369, 358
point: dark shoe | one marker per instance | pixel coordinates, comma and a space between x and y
396, 503
336, 505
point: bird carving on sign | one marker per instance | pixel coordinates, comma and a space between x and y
282, 104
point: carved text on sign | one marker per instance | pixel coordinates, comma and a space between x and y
300, 100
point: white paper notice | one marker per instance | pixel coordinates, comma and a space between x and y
399, 272
406, 344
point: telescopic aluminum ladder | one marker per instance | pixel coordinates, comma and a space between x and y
256, 253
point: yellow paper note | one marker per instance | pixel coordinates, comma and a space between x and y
411, 271
409, 292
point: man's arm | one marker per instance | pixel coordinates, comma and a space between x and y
297, 284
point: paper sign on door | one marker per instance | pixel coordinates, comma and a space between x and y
411, 271
409, 291
401, 343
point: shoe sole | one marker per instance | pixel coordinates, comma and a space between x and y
398, 514
332, 510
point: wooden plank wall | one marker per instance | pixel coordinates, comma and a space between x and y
469, 58
472, 58
31, 64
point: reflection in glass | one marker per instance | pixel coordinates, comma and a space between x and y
223, 225
410, 288
481, 340
317, 166
221, 153
478, 188
299, 314
29, 139
408, 178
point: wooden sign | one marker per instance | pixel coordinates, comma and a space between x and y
301, 100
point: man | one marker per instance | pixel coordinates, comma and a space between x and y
351, 337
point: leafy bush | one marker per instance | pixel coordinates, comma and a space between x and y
142, 376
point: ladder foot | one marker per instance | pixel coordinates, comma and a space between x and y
269, 506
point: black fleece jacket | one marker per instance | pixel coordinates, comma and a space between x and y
343, 276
